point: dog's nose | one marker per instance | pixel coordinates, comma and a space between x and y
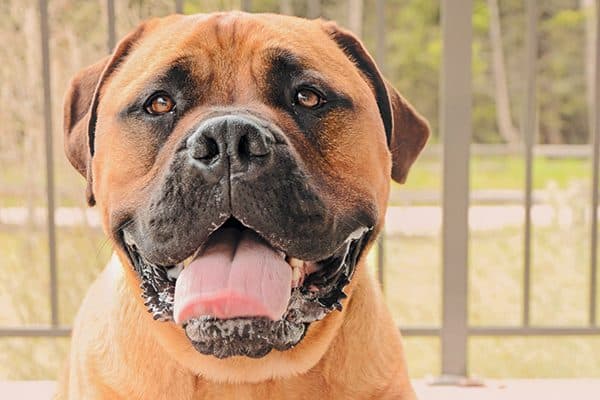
231, 144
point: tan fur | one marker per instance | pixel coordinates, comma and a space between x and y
118, 350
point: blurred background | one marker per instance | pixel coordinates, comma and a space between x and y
527, 299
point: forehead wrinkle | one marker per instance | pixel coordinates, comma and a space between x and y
256, 71
226, 32
150, 76
286, 56
246, 81
183, 62
303, 68
231, 43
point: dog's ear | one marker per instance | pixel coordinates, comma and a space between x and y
78, 100
80, 104
406, 130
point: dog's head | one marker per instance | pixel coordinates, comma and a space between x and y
241, 164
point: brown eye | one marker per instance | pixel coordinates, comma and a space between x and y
160, 103
308, 98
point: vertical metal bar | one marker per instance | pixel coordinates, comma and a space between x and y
179, 6
355, 16
455, 118
285, 7
595, 175
313, 8
528, 131
380, 35
381, 260
48, 145
246, 5
111, 30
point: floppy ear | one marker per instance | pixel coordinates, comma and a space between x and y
406, 130
78, 100
80, 104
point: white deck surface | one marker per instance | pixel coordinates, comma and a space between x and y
567, 389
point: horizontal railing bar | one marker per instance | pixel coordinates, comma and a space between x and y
420, 331
508, 331
44, 331
36, 331
533, 331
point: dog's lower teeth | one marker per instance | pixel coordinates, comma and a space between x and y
187, 261
173, 273
296, 275
128, 239
357, 234
295, 263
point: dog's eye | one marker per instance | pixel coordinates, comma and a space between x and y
308, 98
159, 103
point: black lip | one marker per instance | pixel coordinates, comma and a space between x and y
158, 289
249, 337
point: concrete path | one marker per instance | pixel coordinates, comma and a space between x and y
405, 220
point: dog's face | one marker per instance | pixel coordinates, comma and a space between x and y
241, 164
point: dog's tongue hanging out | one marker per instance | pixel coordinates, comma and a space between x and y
236, 274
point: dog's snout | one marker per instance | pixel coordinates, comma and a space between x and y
232, 143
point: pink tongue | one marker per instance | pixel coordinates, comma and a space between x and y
236, 275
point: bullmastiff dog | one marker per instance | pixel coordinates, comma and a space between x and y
241, 165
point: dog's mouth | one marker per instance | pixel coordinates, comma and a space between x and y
239, 295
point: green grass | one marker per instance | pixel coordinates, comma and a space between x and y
502, 172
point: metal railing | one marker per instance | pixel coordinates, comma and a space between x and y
455, 123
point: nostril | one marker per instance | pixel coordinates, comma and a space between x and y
205, 148
253, 144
